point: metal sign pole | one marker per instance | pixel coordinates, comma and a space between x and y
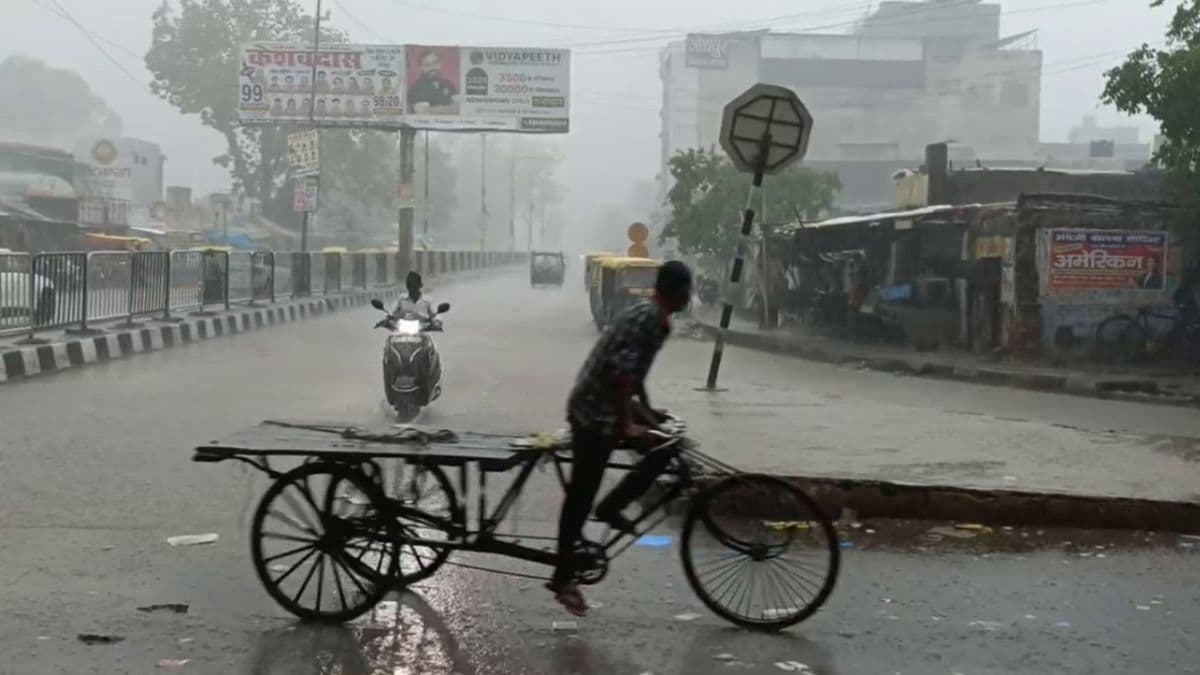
735, 275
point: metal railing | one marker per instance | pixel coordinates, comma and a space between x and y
76, 290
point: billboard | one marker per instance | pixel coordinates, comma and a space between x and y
488, 88
426, 87
349, 85
1088, 260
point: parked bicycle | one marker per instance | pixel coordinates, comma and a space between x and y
1149, 335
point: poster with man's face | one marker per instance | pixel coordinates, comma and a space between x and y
433, 76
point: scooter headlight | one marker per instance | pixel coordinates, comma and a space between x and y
408, 327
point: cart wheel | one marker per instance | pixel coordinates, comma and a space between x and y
759, 552
427, 510
320, 558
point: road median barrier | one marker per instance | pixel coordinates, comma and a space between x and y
148, 304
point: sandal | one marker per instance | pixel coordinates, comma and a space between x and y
570, 598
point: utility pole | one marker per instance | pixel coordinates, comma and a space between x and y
512, 203
529, 221
404, 239
312, 116
425, 201
483, 219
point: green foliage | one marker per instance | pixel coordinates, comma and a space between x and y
709, 194
50, 105
1165, 84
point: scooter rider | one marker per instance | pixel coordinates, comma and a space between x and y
414, 302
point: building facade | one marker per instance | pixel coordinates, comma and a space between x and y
912, 73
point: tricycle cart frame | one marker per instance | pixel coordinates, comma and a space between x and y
365, 532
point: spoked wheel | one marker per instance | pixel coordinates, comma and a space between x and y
427, 505
1120, 339
318, 557
759, 552
425, 508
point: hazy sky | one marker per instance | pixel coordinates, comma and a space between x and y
615, 85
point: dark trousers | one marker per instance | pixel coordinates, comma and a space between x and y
590, 454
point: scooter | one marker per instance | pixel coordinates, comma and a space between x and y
412, 367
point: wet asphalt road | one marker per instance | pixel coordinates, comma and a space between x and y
95, 474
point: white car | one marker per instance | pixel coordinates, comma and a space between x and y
15, 275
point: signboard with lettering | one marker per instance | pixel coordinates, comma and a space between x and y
454, 88
1087, 260
349, 85
306, 194
304, 151
488, 88
707, 51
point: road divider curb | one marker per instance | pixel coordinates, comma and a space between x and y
879, 499
23, 362
1134, 389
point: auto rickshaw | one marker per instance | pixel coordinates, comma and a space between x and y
589, 260
546, 269
618, 283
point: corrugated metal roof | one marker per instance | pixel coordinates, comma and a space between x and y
880, 217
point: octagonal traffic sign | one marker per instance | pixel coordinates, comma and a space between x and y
761, 110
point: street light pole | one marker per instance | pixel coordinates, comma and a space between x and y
512, 203
483, 219
425, 202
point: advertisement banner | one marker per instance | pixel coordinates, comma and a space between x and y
304, 199
1085, 261
354, 85
488, 88
304, 152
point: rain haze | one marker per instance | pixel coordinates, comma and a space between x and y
465, 344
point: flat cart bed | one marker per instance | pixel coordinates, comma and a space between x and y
339, 440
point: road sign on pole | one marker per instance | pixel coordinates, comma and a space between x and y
304, 152
763, 130
305, 197
765, 110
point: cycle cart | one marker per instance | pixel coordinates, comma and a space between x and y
363, 512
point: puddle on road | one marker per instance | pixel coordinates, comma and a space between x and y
398, 636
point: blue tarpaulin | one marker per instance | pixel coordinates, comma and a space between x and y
238, 241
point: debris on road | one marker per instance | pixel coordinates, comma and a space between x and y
176, 607
952, 532
687, 616
172, 663
193, 539
567, 626
97, 639
724, 657
792, 666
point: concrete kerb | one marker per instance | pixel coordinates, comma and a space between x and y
1123, 389
877, 499
21, 363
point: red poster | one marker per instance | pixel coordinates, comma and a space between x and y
1106, 260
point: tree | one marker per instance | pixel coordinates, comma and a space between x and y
708, 195
50, 105
194, 57
1165, 84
